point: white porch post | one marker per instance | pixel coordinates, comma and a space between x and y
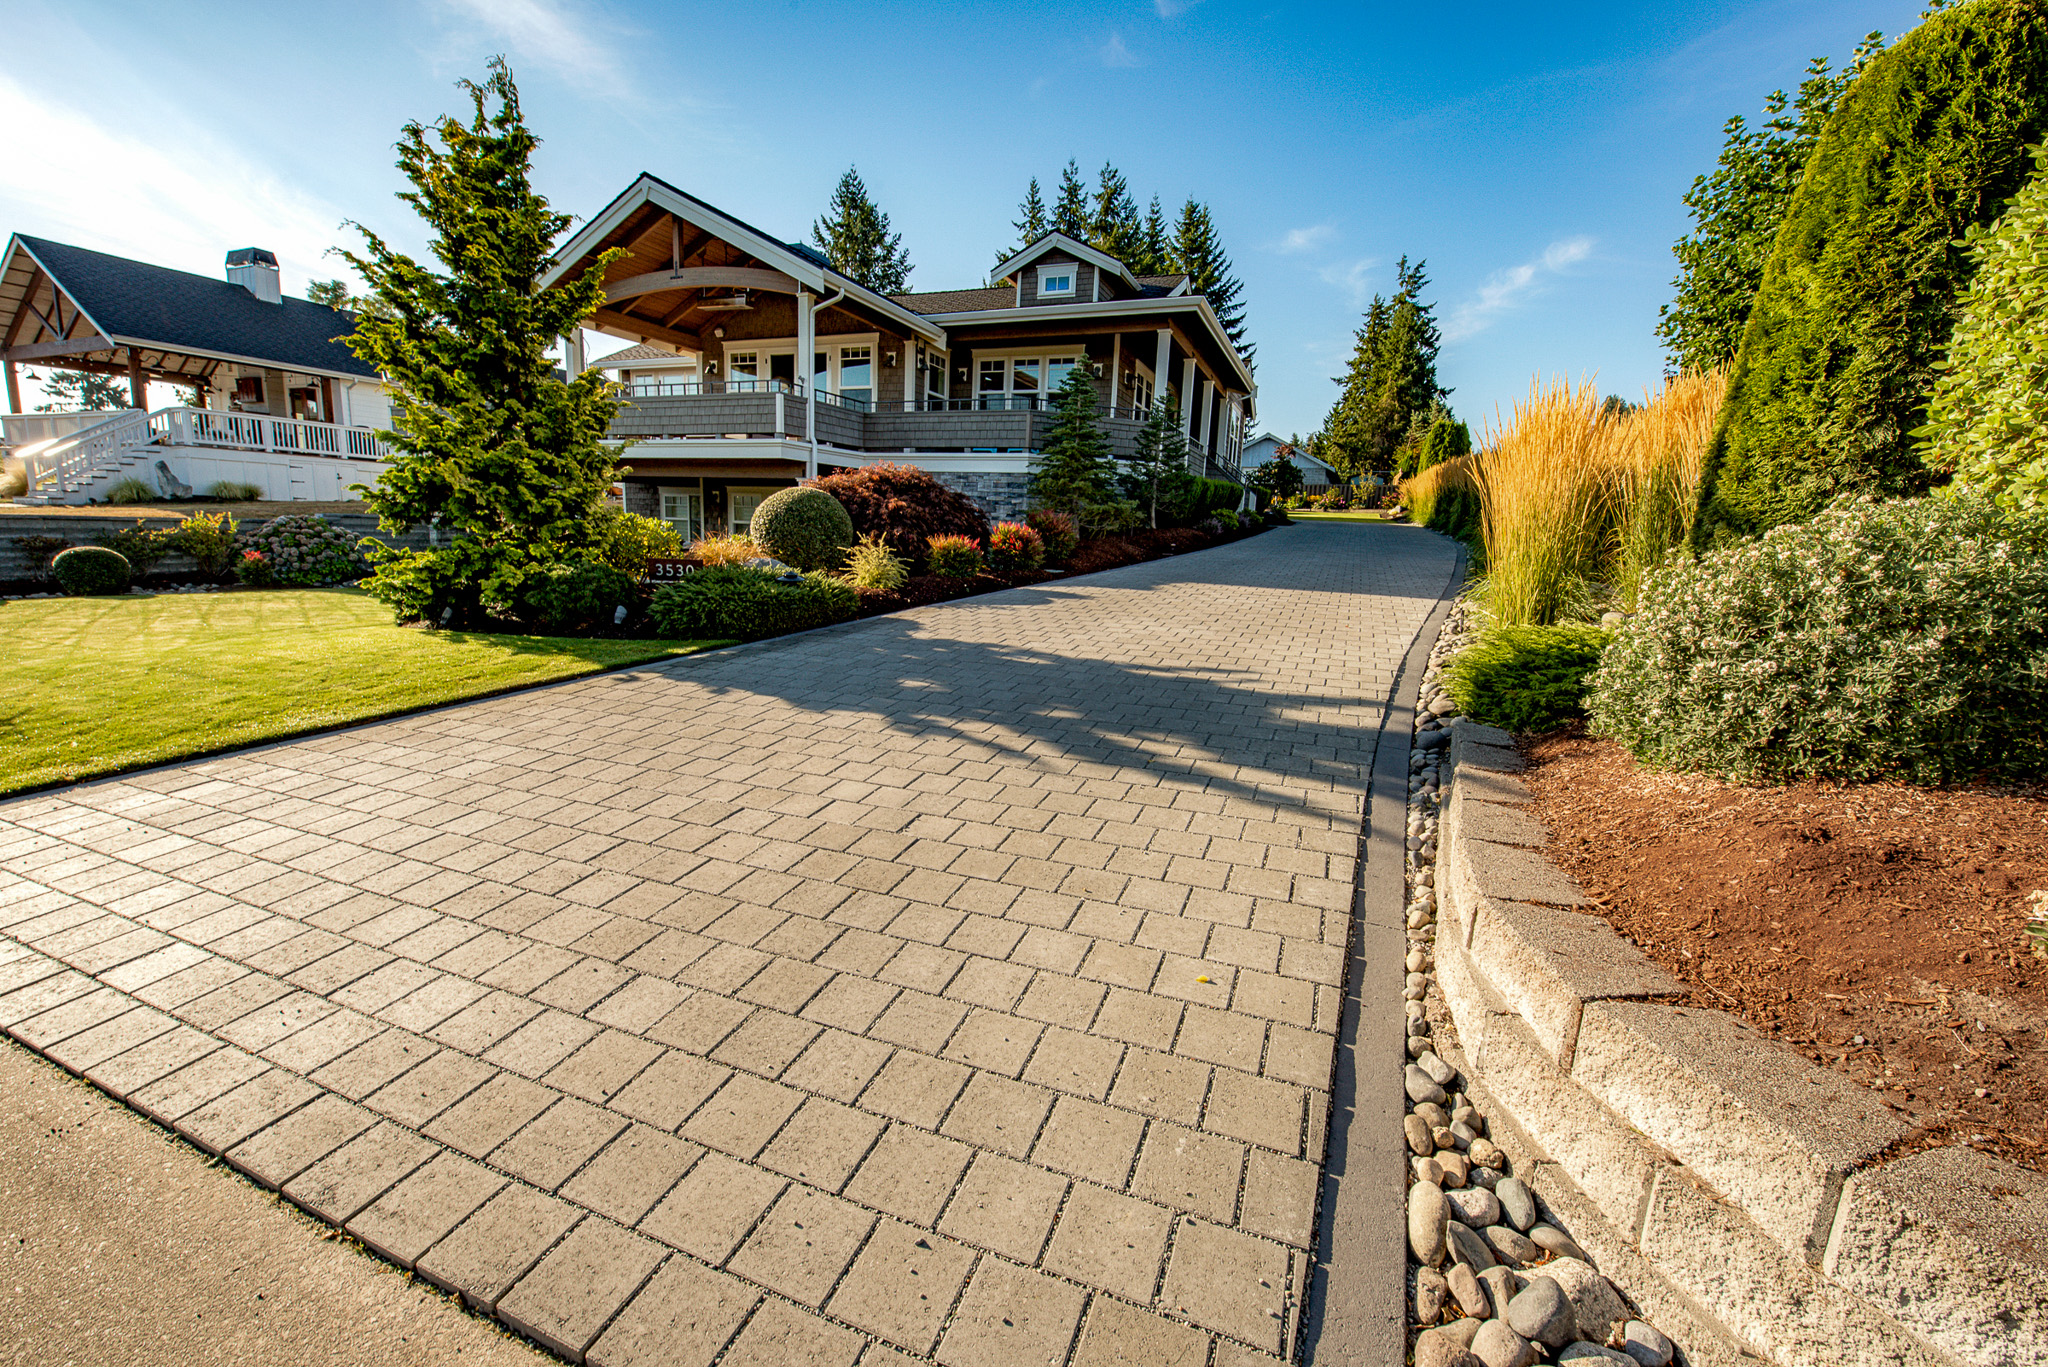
1160, 363
572, 352
1116, 370
1187, 398
806, 359
1208, 403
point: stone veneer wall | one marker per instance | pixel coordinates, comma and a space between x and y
1748, 1190
82, 530
1004, 497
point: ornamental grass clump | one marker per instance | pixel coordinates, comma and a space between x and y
1658, 456
1545, 508
872, 565
725, 550
1901, 639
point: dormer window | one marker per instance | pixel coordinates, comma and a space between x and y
1056, 281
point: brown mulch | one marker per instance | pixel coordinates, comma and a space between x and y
1877, 929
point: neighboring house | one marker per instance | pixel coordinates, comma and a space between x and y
955, 381
651, 370
1315, 474
283, 404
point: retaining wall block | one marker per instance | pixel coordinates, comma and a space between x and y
1773, 1132
1953, 1244
1549, 963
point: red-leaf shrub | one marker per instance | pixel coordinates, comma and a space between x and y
904, 505
1058, 531
1013, 547
954, 557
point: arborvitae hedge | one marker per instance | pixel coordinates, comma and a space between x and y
1857, 301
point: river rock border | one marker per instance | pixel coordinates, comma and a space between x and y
1746, 1200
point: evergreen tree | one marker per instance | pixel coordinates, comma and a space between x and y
855, 237
82, 391
490, 443
1857, 302
1073, 471
1157, 470
1071, 213
332, 293
1391, 379
1279, 477
1030, 222
1156, 253
1114, 226
1198, 253
1448, 439
1737, 210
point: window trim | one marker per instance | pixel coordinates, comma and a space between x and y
1070, 269
693, 490
764, 490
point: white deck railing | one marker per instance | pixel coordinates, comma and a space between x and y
68, 463
256, 432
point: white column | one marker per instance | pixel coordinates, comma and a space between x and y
1116, 370
1187, 398
1208, 388
1159, 365
572, 352
806, 347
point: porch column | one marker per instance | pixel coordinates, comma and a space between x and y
138, 384
1187, 398
13, 389
806, 360
1208, 403
1163, 359
1116, 370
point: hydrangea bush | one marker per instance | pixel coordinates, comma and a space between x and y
305, 550
1905, 638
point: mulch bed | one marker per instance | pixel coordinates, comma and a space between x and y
1876, 929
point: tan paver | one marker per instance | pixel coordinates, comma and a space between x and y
846, 993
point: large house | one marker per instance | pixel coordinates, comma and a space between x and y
754, 364
282, 403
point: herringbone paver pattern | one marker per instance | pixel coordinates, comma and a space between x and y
959, 985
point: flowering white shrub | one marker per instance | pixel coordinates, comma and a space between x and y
1882, 639
303, 550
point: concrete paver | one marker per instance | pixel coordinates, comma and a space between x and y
965, 982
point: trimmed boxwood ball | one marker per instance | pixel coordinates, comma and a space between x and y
86, 570
807, 528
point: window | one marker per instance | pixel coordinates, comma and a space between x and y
1057, 368
740, 506
857, 374
683, 509
743, 369
1024, 378
991, 386
1056, 280
935, 375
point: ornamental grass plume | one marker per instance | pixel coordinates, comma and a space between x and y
1547, 503
1421, 493
1659, 456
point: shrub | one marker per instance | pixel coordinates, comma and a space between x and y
306, 550
141, 546
872, 565
87, 570
1226, 519
954, 557
627, 541
233, 491
1014, 548
1986, 421
128, 490
257, 570
209, 538
1904, 638
418, 586
1856, 302
1525, 678
1057, 531
732, 602
725, 550
572, 596
807, 528
1208, 497
39, 551
903, 505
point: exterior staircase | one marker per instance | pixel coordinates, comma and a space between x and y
85, 464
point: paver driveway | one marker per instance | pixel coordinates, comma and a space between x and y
959, 984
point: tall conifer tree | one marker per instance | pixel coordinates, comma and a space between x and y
1030, 222
855, 237
1073, 471
1071, 212
1160, 463
1391, 379
1198, 252
490, 442
1115, 226
1157, 258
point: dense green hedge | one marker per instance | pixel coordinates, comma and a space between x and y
735, 603
1856, 303
87, 570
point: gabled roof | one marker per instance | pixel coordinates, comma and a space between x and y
1080, 251
160, 309
957, 301
646, 351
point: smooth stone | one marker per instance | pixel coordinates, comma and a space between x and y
1476, 1207
1485, 1177
1646, 1345
1465, 1246
1416, 961
1442, 1137
1454, 1166
1467, 1291
1517, 1202
1432, 1115
1432, 1293
1417, 1014
1426, 1214
1511, 1246
1422, 1087
1583, 1351
1557, 1241
1465, 1133
1427, 1170
1597, 1308
1440, 1073
1442, 1348
1421, 980
1416, 1129
1543, 1313
1433, 740
1469, 1115
1415, 993
1498, 1345
1486, 1155
1503, 1284
1459, 1332
1418, 1044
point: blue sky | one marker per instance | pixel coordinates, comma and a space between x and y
1535, 156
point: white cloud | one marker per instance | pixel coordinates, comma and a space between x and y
179, 197
1307, 239
1114, 53
551, 34
1352, 277
1505, 289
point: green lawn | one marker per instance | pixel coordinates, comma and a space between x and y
1355, 515
96, 685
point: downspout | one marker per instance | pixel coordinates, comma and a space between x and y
811, 389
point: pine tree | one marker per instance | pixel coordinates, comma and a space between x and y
82, 391
1114, 226
1198, 253
1071, 213
491, 443
1030, 222
332, 293
855, 237
1390, 381
1160, 463
1073, 471
1156, 255
1737, 210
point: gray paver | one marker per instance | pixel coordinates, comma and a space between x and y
493, 1248
414, 1215
681, 1318
569, 1297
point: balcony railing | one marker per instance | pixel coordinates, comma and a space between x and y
256, 432
677, 389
